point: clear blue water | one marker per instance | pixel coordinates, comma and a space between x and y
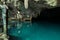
35, 31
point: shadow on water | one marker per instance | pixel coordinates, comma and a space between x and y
15, 38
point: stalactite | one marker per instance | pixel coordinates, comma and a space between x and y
36, 0
8, 0
26, 3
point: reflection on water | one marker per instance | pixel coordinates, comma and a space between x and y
34, 31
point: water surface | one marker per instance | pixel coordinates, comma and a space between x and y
34, 31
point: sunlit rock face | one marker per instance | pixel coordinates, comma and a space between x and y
51, 2
37, 6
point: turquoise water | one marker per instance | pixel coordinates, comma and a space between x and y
35, 31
